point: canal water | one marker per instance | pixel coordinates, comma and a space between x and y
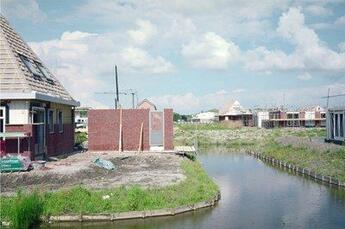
254, 195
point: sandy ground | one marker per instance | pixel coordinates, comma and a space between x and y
144, 169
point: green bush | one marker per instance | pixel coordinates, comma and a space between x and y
80, 137
26, 211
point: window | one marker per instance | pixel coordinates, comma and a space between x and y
2, 119
51, 121
31, 66
336, 125
45, 72
309, 123
60, 121
341, 125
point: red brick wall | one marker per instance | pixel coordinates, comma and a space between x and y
57, 143
60, 143
104, 127
132, 119
168, 129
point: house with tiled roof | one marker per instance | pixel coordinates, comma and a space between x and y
146, 104
36, 111
235, 113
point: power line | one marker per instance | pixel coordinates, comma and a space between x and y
332, 96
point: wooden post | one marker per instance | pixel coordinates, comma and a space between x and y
140, 149
120, 132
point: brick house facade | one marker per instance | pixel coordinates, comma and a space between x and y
36, 111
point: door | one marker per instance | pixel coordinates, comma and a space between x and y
156, 128
38, 120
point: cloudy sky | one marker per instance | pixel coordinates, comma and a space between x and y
190, 55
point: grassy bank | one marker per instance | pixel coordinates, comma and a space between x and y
197, 187
325, 159
236, 138
328, 162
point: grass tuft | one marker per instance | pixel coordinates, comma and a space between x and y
24, 210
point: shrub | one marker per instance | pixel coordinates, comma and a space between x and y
80, 137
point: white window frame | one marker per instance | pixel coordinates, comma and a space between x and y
337, 136
58, 121
3, 117
51, 131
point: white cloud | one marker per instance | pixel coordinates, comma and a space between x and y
245, 19
305, 76
139, 60
82, 60
239, 90
321, 26
340, 20
146, 30
341, 46
75, 35
318, 10
262, 59
24, 9
180, 102
310, 52
211, 51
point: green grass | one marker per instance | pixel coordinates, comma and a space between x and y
23, 211
330, 163
197, 187
209, 126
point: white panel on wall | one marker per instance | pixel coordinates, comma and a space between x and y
19, 112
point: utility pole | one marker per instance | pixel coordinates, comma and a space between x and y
328, 97
117, 100
331, 96
134, 94
116, 91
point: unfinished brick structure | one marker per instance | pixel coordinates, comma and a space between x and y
137, 129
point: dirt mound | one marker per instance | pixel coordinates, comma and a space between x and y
144, 169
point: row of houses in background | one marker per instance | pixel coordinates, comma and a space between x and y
306, 117
236, 114
333, 118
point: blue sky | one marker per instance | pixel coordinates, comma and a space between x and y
190, 55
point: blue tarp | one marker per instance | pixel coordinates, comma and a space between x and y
104, 164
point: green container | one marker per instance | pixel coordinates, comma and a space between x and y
10, 164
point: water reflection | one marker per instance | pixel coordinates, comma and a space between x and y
254, 195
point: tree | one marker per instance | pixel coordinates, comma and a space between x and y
176, 117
